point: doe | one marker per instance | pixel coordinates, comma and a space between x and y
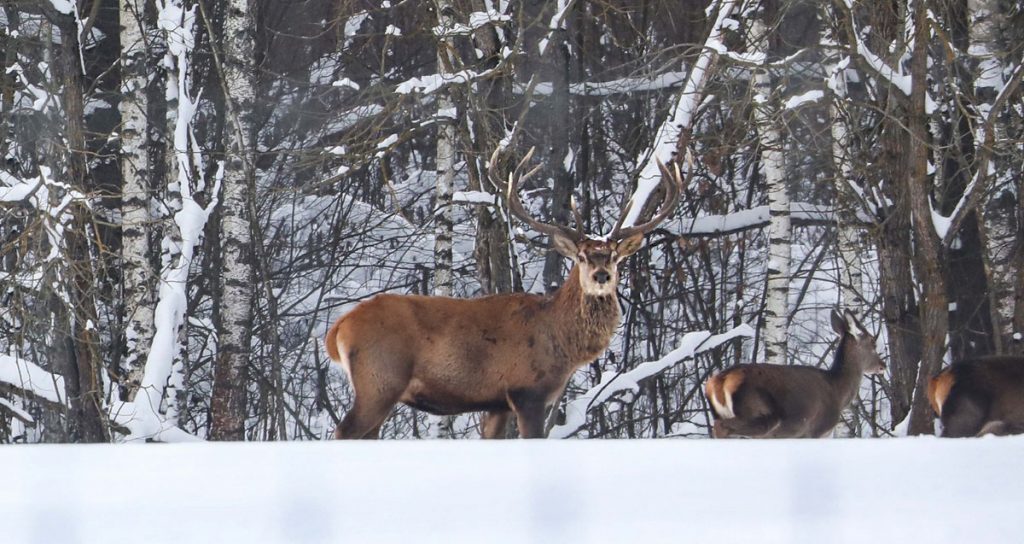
776, 401
980, 396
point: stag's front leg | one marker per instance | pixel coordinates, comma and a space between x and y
494, 424
529, 407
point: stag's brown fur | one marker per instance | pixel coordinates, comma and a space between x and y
775, 401
980, 396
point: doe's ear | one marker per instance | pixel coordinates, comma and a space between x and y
629, 246
565, 246
838, 322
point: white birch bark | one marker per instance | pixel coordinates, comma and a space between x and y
780, 230
234, 313
445, 176
445, 160
139, 276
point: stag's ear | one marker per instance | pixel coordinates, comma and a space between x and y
838, 323
629, 246
564, 245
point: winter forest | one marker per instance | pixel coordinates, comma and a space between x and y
193, 191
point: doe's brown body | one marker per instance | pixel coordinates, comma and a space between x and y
980, 396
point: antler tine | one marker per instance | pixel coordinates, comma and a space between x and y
516, 206
674, 180
577, 217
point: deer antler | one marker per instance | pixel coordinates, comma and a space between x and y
674, 184
516, 206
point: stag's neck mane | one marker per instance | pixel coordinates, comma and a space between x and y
586, 322
844, 373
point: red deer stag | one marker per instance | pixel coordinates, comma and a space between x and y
980, 396
775, 401
502, 354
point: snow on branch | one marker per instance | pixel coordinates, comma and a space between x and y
801, 213
624, 85
690, 346
22, 415
557, 22
30, 380
477, 19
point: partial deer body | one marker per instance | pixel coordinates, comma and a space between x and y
502, 354
980, 396
776, 401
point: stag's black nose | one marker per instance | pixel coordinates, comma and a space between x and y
602, 277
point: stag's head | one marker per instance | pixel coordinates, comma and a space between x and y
597, 259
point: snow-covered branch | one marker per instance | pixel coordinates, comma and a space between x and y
691, 345
30, 380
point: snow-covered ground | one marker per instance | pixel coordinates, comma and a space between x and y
923, 490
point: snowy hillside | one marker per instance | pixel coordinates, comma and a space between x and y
923, 490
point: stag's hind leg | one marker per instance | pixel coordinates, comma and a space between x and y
378, 386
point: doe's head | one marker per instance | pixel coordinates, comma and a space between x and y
859, 345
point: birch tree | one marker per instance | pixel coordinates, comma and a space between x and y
139, 278
780, 232
233, 313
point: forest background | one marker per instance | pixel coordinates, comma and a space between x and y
192, 191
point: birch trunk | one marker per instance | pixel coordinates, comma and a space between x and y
445, 159
233, 314
139, 277
780, 232
444, 179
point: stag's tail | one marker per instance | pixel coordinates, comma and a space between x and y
331, 342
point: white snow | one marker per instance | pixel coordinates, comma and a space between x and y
63, 6
473, 197
27, 376
808, 97
346, 82
792, 491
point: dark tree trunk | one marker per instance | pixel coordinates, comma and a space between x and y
82, 372
933, 308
